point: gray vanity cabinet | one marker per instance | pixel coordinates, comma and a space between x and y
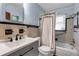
30, 50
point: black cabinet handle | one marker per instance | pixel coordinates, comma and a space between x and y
26, 52
75, 31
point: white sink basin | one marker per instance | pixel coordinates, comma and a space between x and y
11, 44
14, 43
19, 42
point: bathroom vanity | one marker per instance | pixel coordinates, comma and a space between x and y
27, 46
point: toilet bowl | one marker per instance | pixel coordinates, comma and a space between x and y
45, 51
47, 39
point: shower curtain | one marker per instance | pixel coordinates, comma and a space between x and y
48, 30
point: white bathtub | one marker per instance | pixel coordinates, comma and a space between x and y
64, 49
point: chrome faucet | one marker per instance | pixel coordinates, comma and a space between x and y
18, 36
73, 42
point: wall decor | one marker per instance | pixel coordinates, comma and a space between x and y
7, 15
14, 18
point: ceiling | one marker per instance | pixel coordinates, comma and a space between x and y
16, 4
53, 6
47, 6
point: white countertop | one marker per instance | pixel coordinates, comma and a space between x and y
7, 48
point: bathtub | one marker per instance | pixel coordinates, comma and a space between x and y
64, 49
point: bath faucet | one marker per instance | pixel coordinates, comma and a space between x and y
73, 42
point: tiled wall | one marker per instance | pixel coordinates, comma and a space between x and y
2, 31
33, 32
29, 31
61, 36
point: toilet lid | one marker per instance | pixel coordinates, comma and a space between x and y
45, 48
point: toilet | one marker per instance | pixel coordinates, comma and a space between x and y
47, 40
45, 51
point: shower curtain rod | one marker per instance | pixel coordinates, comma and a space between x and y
73, 15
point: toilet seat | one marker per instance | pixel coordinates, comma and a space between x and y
44, 50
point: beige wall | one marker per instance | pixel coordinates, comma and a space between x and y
61, 36
33, 32
2, 29
29, 31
